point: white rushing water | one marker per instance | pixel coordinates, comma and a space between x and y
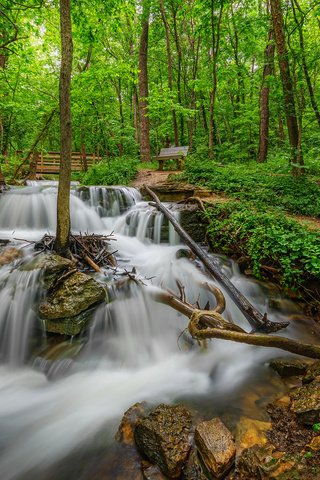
136, 348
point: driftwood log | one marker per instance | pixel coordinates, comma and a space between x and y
204, 324
257, 320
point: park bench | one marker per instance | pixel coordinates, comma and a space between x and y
172, 153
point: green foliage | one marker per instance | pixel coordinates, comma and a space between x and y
117, 171
316, 427
269, 239
266, 185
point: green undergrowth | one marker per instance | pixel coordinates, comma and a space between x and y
265, 185
273, 244
116, 171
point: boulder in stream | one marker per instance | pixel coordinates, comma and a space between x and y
9, 255
68, 308
164, 437
216, 446
287, 367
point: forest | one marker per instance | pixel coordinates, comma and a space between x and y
159, 239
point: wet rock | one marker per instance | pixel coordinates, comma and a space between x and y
70, 326
192, 470
288, 367
164, 437
250, 432
216, 446
312, 373
261, 463
128, 423
50, 263
249, 464
73, 296
9, 255
152, 472
305, 403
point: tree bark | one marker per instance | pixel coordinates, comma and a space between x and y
287, 87
170, 76
255, 318
264, 99
215, 36
145, 152
63, 203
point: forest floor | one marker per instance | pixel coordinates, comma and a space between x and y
155, 178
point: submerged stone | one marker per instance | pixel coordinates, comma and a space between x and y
9, 255
216, 446
125, 433
164, 438
287, 367
250, 432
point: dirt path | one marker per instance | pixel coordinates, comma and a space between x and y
151, 177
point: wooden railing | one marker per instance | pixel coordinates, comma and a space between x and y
50, 162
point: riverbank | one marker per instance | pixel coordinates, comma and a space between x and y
261, 217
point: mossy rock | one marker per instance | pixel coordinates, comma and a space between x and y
73, 296
70, 326
164, 438
50, 263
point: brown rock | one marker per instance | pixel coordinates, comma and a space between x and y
305, 403
164, 437
9, 255
128, 423
250, 432
192, 470
216, 446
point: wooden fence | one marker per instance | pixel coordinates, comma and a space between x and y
50, 162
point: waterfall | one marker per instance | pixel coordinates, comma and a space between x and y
135, 349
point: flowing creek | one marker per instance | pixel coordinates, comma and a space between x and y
56, 400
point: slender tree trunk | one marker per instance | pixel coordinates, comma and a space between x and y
299, 24
63, 203
170, 81
179, 52
264, 99
119, 94
215, 35
289, 103
145, 153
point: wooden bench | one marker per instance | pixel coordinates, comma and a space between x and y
172, 153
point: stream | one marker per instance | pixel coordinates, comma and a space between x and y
69, 397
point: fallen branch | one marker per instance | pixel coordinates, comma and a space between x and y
205, 325
258, 321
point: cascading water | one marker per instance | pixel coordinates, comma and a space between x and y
135, 349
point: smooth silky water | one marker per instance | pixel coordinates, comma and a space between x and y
135, 350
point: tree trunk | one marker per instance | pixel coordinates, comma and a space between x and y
179, 52
170, 81
215, 35
299, 24
145, 153
63, 203
289, 103
264, 99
